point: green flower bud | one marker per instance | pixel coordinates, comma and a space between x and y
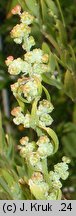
66, 159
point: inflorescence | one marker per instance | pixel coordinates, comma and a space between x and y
28, 90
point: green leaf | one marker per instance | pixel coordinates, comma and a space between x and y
2, 136
46, 48
11, 4
69, 139
33, 7
51, 81
52, 7
53, 136
23, 4
62, 39
52, 62
70, 85
6, 188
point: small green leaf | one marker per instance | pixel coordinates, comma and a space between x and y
6, 188
43, 10
45, 48
51, 81
53, 136
2, 136
23, 4
70, 85
52, 62
62, 32
51, 5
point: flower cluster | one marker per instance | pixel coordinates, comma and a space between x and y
34, 63
50, 191
28, 89
21, 32
34, 152
45, 107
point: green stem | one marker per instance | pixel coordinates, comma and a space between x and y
45, 169
47, 93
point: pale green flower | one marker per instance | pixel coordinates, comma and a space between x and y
19, 119
34, 56
20, 31
34, 158
43, 140
26, 18
30, 90
66, 159
45, 120
45, 106
53, 176
56, 184
61, 169
39, 68
24, 151
45, 150
24, 141
26, 90
14, 88
16, 66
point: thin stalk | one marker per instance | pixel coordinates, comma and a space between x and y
45, 170
58, 4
